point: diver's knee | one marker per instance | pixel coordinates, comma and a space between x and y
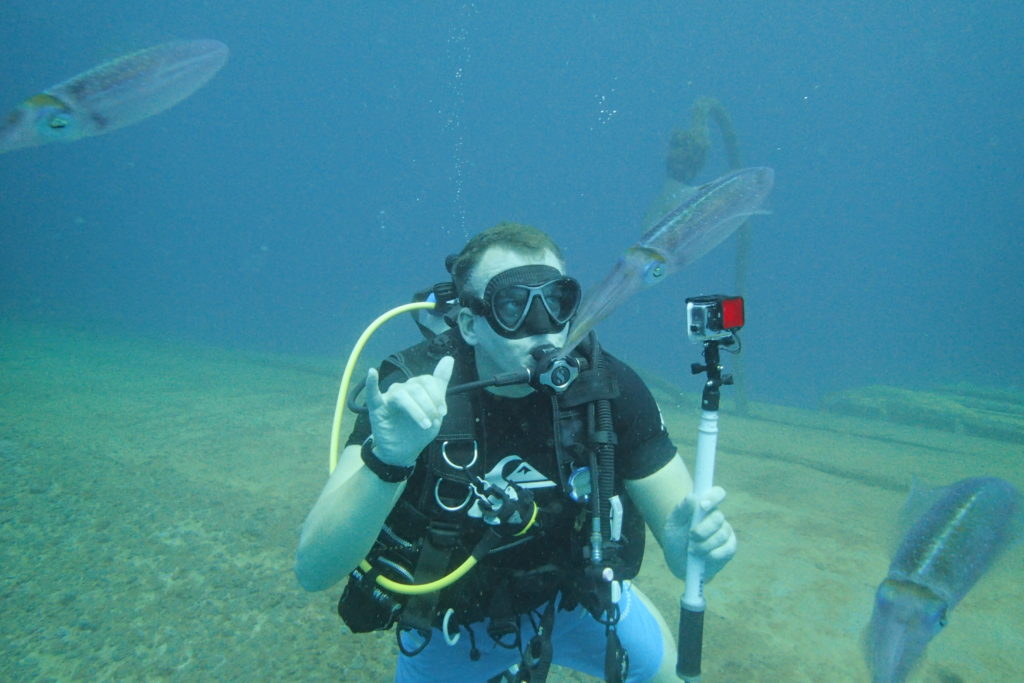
663, 671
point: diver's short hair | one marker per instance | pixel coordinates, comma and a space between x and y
513, 236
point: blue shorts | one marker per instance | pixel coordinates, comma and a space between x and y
578, 642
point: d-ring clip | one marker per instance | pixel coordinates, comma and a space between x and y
437, 497
451, 640
444, 454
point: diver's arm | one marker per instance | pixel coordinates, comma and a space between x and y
341, 527
658, 494
350, 511
666, 504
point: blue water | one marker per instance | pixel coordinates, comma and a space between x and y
324, 174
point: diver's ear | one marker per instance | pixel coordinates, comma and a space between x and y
467, 326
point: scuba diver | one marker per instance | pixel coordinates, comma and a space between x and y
491, 499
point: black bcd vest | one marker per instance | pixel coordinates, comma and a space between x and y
428, 534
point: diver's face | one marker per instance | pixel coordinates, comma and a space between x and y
496, 354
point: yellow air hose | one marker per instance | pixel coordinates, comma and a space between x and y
480, 550
422, 588
350, 367
339, 409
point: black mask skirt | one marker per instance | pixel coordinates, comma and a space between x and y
526, 301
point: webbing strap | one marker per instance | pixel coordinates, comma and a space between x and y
539, 652
432, 563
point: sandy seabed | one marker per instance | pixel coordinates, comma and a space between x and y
152, 493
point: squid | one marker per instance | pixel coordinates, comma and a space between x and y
113, 94
698, 224
943, 554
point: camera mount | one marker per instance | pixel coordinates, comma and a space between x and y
711, 394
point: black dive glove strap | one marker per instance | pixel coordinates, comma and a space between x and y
392, 474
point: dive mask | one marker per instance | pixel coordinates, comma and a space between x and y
528, 300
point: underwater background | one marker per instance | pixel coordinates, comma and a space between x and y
177, 299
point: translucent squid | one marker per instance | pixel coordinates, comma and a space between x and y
697, 225
943, 554
114, 94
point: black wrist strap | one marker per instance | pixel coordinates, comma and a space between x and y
392, 474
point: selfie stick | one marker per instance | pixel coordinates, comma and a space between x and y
692, 603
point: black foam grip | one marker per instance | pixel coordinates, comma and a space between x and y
691, 638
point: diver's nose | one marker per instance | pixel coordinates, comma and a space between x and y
538, 320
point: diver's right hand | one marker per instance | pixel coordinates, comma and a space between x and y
408, 415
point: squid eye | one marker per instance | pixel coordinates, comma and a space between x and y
58, 122
654, 272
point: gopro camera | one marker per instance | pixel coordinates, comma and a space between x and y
713, 317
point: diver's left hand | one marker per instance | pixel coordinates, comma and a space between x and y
712, 539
